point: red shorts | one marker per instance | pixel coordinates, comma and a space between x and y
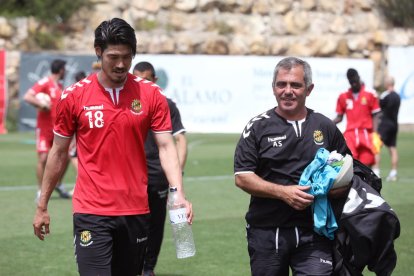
44, 139
359, 141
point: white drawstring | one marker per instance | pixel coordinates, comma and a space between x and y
366, 134
297, 237
356, 136
277, 240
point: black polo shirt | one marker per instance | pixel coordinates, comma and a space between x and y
278, 151
156, 174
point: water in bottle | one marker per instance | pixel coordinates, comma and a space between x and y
182, 233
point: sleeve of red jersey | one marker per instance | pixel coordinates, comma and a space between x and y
161, 120
65, 117
340, 106
39, 87
375, 104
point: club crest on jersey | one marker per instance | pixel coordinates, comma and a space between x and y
85, 238
136, 107
364, 101
318, 137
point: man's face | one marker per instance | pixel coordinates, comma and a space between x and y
62, 73
290, 92
355, 83
148, 75
116, 61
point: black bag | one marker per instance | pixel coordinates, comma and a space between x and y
367, 175
358, 244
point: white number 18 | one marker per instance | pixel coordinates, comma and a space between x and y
95, 119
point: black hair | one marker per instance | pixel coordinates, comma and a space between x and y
114, 32
80, 75
144, 66
57, 65
351, 73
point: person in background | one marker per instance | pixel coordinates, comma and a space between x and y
80, 75
73, 153
157, 181
388, 127
274, 149
46, 115
96, 66
361, 107
111, 114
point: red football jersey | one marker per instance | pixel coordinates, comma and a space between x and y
46, 119
111, 126
358, 111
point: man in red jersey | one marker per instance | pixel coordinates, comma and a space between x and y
361, 107
46, 116
111, 113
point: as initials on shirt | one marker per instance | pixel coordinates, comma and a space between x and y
95, 118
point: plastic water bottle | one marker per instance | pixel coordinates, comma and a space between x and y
182, 233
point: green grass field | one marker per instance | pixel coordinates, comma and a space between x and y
218, 205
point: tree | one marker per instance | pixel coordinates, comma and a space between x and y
398, 12
45, 11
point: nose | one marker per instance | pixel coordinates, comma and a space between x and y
120, 63
288, 89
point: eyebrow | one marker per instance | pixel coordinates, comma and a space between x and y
293, 83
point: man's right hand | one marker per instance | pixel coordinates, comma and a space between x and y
41, 223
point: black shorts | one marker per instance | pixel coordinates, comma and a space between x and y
273, 250
388, 134
110, 245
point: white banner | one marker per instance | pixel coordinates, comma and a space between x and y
219, 94
401, 67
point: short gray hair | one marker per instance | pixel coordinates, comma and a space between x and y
290, 62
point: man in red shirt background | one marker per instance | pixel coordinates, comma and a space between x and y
361, 107
46, 115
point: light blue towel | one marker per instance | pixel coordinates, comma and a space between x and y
321, 176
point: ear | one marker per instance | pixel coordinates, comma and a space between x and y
98, 52
309, 90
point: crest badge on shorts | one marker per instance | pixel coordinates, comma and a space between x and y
85, 238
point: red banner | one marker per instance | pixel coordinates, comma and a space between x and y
3, 92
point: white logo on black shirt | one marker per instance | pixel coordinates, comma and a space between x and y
277, 141
246, 131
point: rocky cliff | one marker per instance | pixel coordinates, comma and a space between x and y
307, 28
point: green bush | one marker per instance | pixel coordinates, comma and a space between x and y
45, 11
398, 12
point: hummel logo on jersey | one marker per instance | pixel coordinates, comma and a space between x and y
325, 261
72, 87
93, 107
277, 141
63, 95
246, 131
139, 240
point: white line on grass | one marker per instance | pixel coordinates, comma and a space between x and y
186, 179
194, 144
